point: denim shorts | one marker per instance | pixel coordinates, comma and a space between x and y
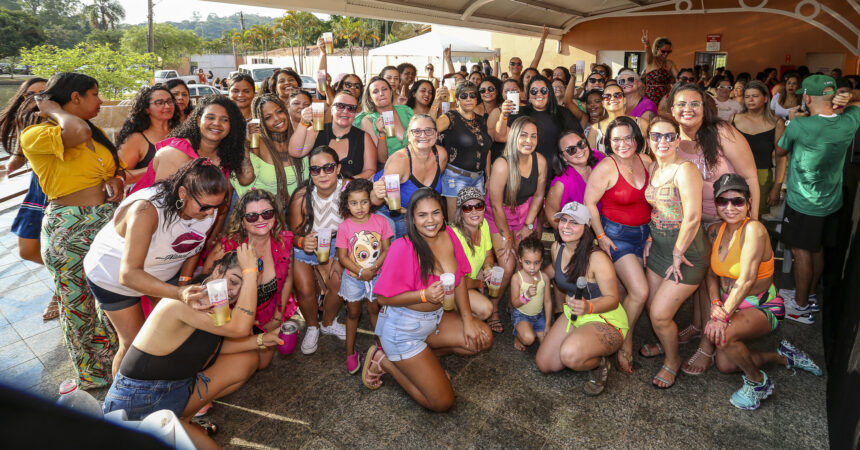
311, 258
352, 289
538, 321
396, 221
28, 221
628, 239
451, 183
111, 301
140, 398
403, 332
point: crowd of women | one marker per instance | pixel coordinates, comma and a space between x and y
434, 193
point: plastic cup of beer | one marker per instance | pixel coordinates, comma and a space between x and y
446, 106
451, 85
323, 244
318, 110
495, 284
392, 192
329, 42
220, 301
447, 280
388, 122
515, 98
255, 136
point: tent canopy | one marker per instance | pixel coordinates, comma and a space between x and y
432, 44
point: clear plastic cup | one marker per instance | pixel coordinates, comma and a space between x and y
329, 43
388, 122
451, 84
392, 192
318, 109
323, 244
255, 137
446, 106
514, 97
448, 280
220, 301
495, 284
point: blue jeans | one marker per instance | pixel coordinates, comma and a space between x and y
537, 321
451, 183
403, 331
397, 221
140, 398
311, 258
629, 240
352, 289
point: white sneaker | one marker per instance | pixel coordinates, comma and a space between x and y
335, 329
786, 294
309, 343
798, 314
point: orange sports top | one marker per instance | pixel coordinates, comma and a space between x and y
731, 267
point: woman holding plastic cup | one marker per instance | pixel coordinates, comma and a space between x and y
314, 217
257, 219
410, 291
180, 360
297, 102
418, 165
378, 99
471, 228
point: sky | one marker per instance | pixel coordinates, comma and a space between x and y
179, 10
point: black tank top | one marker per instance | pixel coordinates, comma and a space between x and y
184, 362
762, 147
467, 142
528, 185
150, 153
353, 163
566, 286
415, 181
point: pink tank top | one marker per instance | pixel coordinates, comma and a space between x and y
148, 179
709, 175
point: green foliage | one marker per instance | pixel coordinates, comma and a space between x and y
118, 72
18, 29
109, 37
104, 14
61, 20
213, 27
171, 44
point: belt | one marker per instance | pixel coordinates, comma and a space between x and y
466, 173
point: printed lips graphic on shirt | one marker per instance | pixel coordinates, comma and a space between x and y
187, 242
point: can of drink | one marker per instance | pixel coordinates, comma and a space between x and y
515, 98
255, 136
289, 335
448, 280
392, 192
318, 110
220, 301
323, 244
388, 122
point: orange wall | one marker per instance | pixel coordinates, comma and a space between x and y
753, 41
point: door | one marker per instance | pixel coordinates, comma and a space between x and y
711, 60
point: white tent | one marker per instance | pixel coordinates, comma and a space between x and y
432, 44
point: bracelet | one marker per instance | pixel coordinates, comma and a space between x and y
423, 298
717, 301
590, 307
600, 236
260, 342
249, 270
306, 125
301, 242
649, 239
184, 278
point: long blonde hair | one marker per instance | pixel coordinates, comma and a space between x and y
511, 150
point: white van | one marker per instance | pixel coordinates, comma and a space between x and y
258, 72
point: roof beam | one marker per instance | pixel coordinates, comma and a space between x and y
549, 8
474, 6
638, 2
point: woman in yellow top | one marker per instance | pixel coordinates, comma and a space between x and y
79, 171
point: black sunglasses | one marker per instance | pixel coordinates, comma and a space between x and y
346, 107
266, 215
489, 89
327, 168
465, 95
513, 63
572, 149
686, 79
737, 202
596, 80
656, 137
628, 80
615, 95
203, 207
348, 85
534, 91
474, 207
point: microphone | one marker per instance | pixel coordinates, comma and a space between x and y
581, 286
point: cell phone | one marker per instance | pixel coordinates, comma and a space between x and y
803, 107
109, 190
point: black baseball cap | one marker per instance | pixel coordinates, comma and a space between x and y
730, 182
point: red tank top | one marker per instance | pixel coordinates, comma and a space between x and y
625, 204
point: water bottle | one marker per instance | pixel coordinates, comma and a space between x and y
77, 399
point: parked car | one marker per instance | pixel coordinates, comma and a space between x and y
202, 90
258, 72
161, 76
309, 84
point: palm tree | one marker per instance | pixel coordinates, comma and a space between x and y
364, 34
104, 14
303, 27
344, 28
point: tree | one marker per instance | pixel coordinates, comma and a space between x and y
61, 20
302, 27
171, 44
119, 73
104, 14
109, 37
18, 29
262, 35
364, 34
352, 30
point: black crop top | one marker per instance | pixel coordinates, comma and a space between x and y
353, 163
467, 141
184, 362
150, 153
568, 287
528, 185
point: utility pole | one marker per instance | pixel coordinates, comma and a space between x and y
242, 21
150, 38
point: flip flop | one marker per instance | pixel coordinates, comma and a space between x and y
372, 380
208, 426
651, 350
627, 358
496, 324
692, 360
663, 380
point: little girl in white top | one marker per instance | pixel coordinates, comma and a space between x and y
530, 297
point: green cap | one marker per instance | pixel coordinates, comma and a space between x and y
817, 85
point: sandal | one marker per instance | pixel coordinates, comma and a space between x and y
663, 380
373, 379
627, 365
495, 324
204, 410
52, 311
688, 364
597, 378
651, 350
208, 426
688, 334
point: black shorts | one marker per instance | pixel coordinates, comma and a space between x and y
111, 301
810, 233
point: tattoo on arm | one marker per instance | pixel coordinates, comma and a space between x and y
246, 311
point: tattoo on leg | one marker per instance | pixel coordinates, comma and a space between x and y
609, 337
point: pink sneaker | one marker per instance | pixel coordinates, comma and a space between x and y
352, 364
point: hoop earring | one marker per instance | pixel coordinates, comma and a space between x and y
179, 203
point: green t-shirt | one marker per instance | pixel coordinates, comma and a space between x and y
404, 113
266, 179
476, 258
817, 147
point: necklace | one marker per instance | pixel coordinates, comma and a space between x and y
338, 138
279, 137
629, 169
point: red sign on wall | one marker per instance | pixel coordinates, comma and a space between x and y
713, 43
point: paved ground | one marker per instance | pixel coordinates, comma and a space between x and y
503, 401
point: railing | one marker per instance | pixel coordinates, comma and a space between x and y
20, 172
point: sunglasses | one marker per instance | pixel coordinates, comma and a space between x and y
346, 107
266, 215
473, 207
327, 168
534, 91
596, 80
573, 149
737, 202
599, 72
203, 207
657, 137
665, 52
628, 80
348, 85
725, 88
466, 95
417, 132
615, 95
486, 90
686, 79
516, 63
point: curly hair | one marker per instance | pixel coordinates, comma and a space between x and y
8, 126
234, 229
497, 84
273, 80
356, 185
138, 119
198, 177
231, 149
266, 135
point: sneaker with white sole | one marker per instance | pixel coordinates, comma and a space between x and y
798, 314
309, 343
798, 358
335, 329
787, 294
813, 303
750, 395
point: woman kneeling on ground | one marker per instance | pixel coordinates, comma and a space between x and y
180, 360
410, 292
745, 304
599, 322
470, 226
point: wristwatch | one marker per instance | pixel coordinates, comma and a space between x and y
787, 121
530, 226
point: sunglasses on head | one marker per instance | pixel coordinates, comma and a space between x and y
345, 107
735, 201
628, 80
657, 137
203, 207
465, 95
573, 149
327, 168
266, 215
534, 91
596, 80
615, 95
473, 207
487, 89
725, 88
